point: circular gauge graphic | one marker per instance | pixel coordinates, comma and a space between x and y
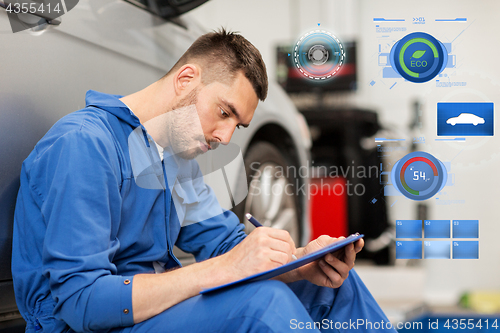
318, 55
419, 57
419, 176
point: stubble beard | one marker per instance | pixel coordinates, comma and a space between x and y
185, 144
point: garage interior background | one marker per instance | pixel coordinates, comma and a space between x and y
475, 165
98, 33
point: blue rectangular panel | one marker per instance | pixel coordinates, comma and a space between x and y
465, 228
437, 250
452, 61
408, 250
390, 190
437, 229
408, 228
447, 46
389, 72
465, 119
465, 250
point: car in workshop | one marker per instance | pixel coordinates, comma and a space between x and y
120, 47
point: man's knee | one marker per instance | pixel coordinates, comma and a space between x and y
270, 305
265, 296
270, 290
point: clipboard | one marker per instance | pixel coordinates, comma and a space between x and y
289, 266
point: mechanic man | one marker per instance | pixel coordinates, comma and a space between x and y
104, 198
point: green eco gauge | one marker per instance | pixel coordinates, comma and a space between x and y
418, 57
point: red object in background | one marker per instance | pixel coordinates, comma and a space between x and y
345, 70
328, 207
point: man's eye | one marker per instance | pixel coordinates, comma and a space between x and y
238, 126
223, 113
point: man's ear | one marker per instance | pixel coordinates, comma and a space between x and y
187, 77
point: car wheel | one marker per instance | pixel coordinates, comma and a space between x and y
272, 197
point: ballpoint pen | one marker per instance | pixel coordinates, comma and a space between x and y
257, 224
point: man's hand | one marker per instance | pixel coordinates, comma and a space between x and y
333, 269
264, 249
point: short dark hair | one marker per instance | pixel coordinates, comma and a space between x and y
221, 54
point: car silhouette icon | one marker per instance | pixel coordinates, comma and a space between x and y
466, 119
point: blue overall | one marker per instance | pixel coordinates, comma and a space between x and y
83, 228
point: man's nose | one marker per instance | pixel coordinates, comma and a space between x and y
226, 135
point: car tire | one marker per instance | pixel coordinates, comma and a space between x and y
272, 194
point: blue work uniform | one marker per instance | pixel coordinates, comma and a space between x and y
84, 226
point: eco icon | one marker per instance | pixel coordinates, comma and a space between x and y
418, 54
418, 57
